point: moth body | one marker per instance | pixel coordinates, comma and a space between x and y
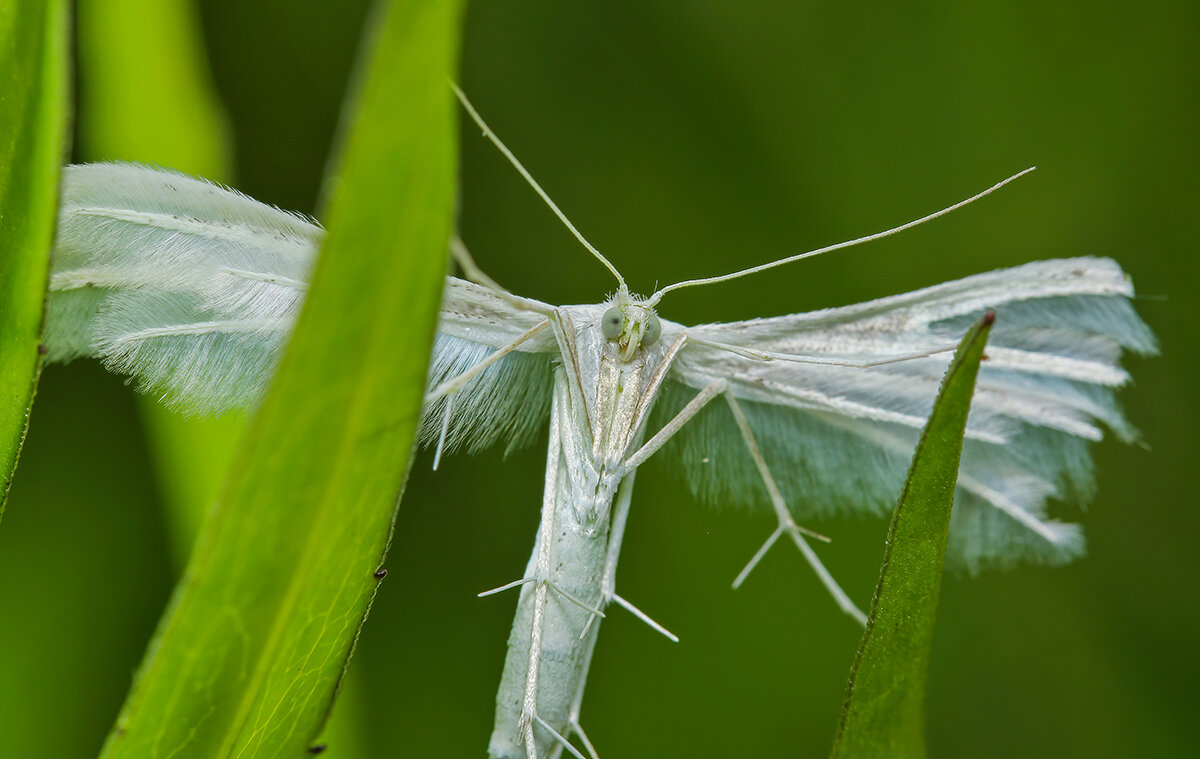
598, 416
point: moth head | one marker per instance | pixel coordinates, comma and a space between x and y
632, 326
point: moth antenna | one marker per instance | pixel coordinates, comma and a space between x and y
488, 133
656, 297
471, 270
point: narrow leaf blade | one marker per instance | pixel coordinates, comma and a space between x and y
883, 714
147, 96
248, 657
33, 125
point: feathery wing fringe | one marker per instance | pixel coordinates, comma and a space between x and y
509, 401
192, 288
840, 438
188, 286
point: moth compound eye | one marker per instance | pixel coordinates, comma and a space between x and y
653, 331
612, 322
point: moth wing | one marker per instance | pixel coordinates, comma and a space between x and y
840, 438
189, 286
193, 289
508, 401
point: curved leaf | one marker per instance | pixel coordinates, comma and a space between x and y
33, 122
249, 655
884, 712
146, 95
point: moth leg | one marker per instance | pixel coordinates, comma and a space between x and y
451, 386
578, 729
458, 249
454, 384
553, 586
635, 611
685, 415
506, 586
607, 593
542, 585
562, 592
529, 713
608, 590
441, 444
621, 512
787, 525
471, 270
529, 716
558, 737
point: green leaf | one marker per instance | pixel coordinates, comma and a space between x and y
146, 95
884, 712
33, 126
248, 657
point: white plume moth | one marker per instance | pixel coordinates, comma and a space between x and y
193, 288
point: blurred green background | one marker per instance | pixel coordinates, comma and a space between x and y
686, 139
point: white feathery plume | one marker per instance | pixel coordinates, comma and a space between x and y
192, 288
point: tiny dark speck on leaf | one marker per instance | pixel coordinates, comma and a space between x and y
317, 749
380, 574
42, 349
